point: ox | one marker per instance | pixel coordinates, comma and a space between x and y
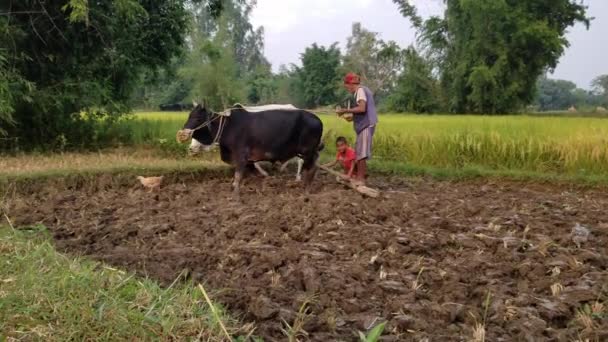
196, 147
273, 134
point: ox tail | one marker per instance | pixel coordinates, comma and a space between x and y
323, 140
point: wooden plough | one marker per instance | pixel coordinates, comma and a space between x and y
367, 191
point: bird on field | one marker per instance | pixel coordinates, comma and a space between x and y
151, 183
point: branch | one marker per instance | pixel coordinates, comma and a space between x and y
409, 11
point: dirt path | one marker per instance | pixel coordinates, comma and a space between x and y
434, 259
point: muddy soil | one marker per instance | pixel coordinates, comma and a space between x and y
435, 260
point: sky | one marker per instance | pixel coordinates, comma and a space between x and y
292, 25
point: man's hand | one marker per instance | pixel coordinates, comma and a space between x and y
341, 111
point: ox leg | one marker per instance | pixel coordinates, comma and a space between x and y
240, 163
310, 169
236, 184
299, 173
284, 166
260, 169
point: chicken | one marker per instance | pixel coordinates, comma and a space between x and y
151, 183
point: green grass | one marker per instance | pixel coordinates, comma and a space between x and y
47, 296
574, 146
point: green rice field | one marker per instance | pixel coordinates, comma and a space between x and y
562, 145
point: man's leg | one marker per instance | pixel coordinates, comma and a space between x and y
364, 152
361, 170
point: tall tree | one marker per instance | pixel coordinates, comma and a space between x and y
490, 53
417, 89
377, 62
246, 42
319, 76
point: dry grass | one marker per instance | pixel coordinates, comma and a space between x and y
111, 159
556, 289
295, 332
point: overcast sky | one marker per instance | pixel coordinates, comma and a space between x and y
292, 25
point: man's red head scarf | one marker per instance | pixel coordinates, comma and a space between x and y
351, 78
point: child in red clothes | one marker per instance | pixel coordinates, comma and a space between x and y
346, 156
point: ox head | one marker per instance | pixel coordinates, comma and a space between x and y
202, 139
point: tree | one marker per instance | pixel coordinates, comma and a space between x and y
262, 86
377, 62
62, 58
318, 77
417, 90
556, 94
489, 53
600, 86
246, 43
224, 61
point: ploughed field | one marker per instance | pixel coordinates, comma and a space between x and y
438, 260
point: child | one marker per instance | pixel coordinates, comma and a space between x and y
346, 156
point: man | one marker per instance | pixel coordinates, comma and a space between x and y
365, 118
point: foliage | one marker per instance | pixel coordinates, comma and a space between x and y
66, 58
319, 76
417, 91
561, 95
555, 94
223, 64
489, 53
377, 62
262, 86
213, 71
600, 86
374, 334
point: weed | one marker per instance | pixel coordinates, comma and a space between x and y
374, 334
295, 331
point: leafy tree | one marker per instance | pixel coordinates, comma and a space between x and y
556, 94
262, 86
224, 61
600, 86
288, 86
377, 62
417, 90
489, 53
246, 43
213, 71
319, 77
60, 58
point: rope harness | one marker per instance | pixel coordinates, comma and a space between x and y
185, 134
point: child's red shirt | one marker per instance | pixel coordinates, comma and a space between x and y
347, 158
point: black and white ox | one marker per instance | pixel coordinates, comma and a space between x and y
245, 138
196, 147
